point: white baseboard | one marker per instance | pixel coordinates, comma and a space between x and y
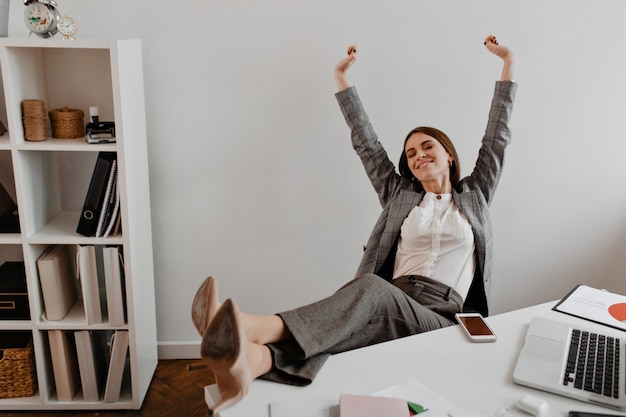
178, 350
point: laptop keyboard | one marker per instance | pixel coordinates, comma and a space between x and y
593, 363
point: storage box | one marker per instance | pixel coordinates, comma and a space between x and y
13, 293
18, 377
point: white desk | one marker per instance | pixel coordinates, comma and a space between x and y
475, 376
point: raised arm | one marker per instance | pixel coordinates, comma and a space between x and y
488, 168
508, 58
342, 67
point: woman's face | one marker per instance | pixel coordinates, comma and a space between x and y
428, 160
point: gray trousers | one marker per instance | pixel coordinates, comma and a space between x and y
366, 311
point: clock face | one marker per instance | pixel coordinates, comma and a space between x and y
67, 26
39, 18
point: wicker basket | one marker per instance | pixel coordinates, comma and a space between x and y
17, 367
67, 123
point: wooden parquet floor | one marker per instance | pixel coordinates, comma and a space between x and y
175, 392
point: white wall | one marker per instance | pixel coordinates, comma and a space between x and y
253, 178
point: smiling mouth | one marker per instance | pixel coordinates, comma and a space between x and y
423, 164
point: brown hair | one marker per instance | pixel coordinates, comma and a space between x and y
439, 136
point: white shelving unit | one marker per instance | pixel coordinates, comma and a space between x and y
50, 181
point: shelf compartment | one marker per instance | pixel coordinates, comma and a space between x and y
9, 219
52, 144
54, 186
76, 320
59, 76
61, 229
110, 376
18, 365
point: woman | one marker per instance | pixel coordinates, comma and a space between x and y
428, 257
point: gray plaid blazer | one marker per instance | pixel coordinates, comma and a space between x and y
398, 196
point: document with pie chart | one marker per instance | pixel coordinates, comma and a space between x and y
599, 306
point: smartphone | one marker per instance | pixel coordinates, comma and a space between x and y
475, 327
585, 414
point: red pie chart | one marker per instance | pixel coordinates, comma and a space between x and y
618, 311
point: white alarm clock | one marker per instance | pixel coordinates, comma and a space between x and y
41, 17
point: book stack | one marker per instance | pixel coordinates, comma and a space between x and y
85, 279
91, 364
100, 216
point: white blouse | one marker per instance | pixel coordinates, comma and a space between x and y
436, 241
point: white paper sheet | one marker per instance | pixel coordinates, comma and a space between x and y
599, 306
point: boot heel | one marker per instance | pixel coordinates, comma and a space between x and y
221, 342
205, 305
223, 350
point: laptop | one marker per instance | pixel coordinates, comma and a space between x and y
553, 359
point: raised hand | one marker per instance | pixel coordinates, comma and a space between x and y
342, 67
505, 54
495, 48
